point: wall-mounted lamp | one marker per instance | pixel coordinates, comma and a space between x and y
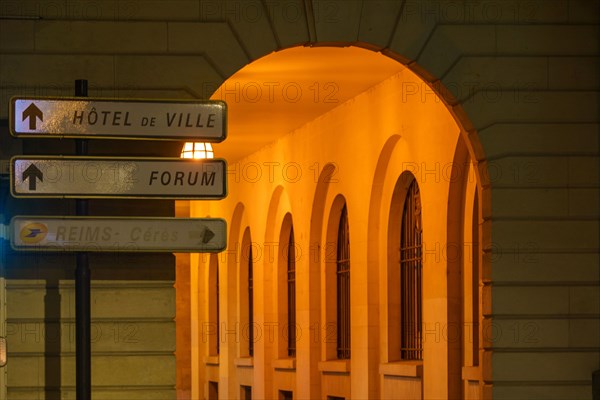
197, 150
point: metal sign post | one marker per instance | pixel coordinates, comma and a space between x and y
83, 341
82, 177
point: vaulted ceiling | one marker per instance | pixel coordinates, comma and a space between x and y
284, 90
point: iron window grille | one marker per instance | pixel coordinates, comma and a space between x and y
343, 287
291, 305
250, 304
411, 277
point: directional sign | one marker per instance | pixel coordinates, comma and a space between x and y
118, 177
112, 234
77, 117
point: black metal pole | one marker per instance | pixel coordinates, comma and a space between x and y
83, 346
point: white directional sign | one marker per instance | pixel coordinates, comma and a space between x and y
116, 177
78, 117
112, 234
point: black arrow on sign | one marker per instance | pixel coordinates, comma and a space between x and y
32, 172
205, 235
208, 234
33, 112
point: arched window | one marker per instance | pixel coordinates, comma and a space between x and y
343, 287
411, 277
475, 281
250, 304
213, 304
246, 296
470, 286
291, 295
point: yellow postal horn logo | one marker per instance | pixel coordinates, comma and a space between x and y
33, 233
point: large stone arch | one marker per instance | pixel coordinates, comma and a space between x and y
472, 64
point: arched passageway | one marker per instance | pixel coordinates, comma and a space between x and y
359, 142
